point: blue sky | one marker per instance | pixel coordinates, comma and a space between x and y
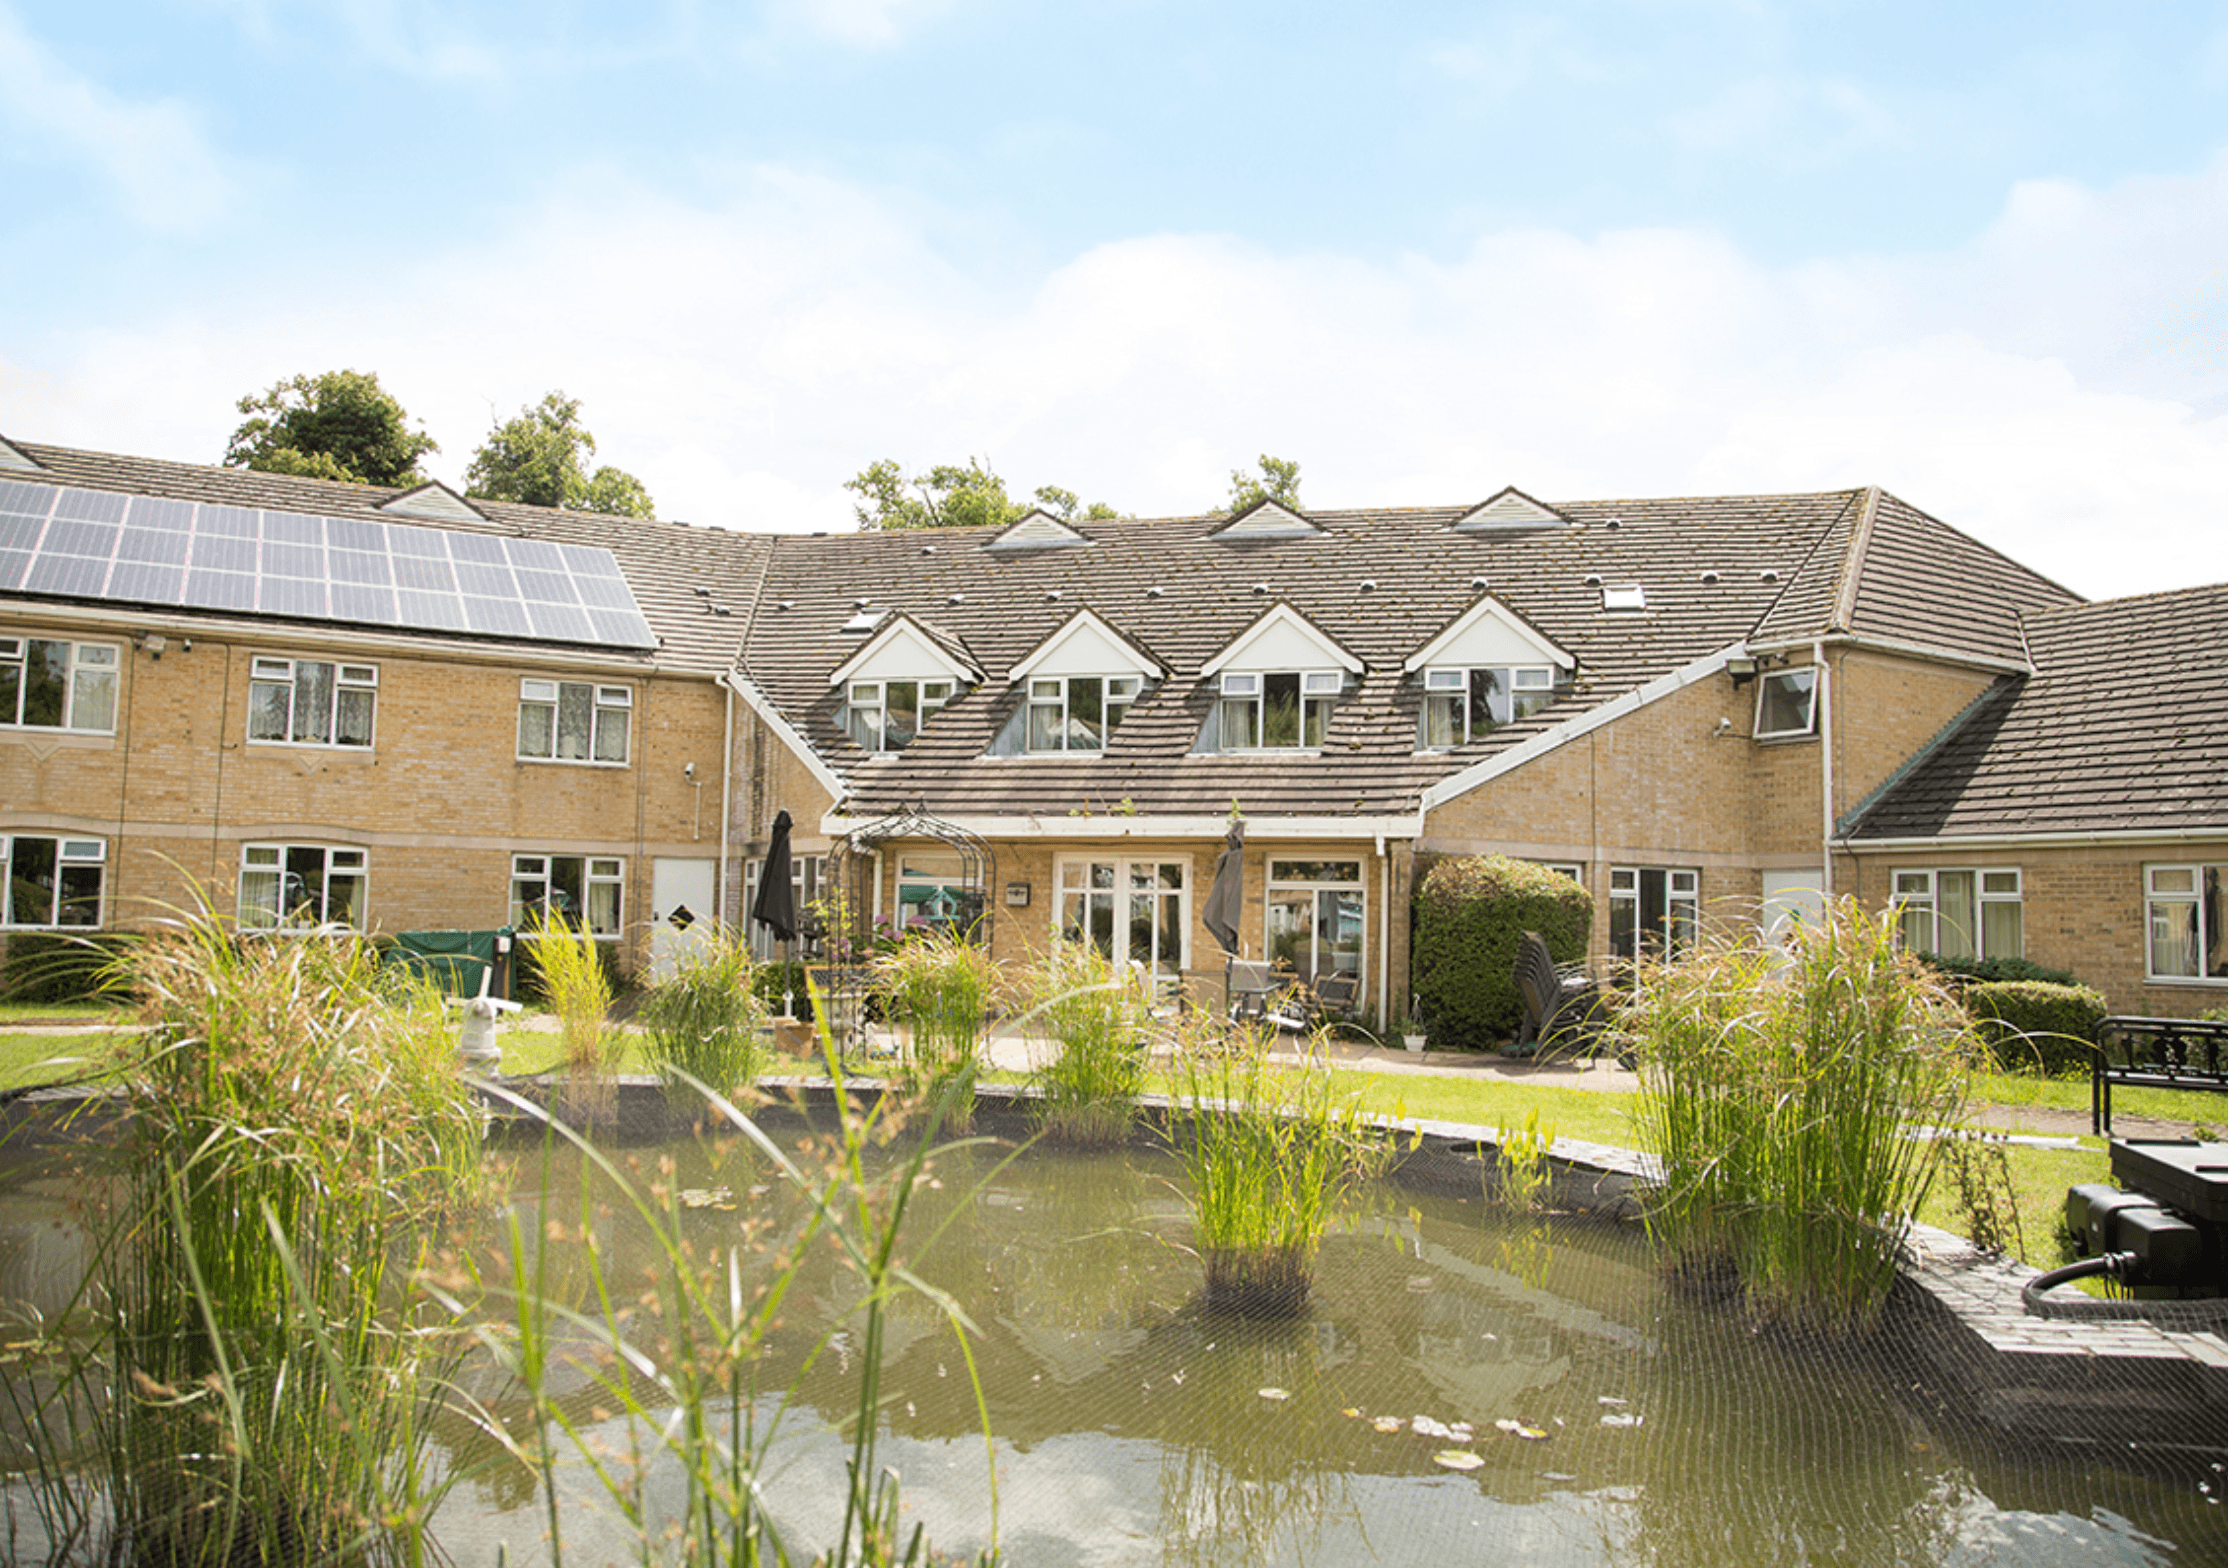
1973, 254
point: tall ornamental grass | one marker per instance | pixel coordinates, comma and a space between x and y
671, 1362
1099, 1022
244, 1387
1270, 1152
1781, 1084
702, 1024
937, 987
574, 983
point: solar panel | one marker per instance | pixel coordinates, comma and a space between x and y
102, 545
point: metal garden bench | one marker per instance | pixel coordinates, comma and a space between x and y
2155, 1053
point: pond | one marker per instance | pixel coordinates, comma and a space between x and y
1615, 1417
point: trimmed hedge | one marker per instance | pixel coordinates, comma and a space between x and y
48, 967
1967, 970
1470, 913
2032, 1023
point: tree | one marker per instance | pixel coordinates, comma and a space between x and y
1279, 481
340, 425
948, 496
541, 459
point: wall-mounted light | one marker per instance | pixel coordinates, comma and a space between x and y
152, 642
1743, 670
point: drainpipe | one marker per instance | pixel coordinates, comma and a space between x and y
726, 800
1825, 772
1384, 935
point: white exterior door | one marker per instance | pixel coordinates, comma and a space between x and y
1791, 898
682, 913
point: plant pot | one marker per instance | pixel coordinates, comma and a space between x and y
1414, 1042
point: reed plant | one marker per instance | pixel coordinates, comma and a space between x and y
701, 1024
1781, 1085
245, 1387
1269, 1152
573, 980
672, 1361
938, 986
1099, 1022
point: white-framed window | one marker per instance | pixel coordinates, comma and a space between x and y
309, 702
573, 721
1276, 710
1461, 704
2187, 921
1654, 911
935, 894
52, 881
807, 883
1564, 868
1074, 712
48, 683
1316, 914
1787, 703
1961, 913
886, 715
574, 888
1134, 910
301, 885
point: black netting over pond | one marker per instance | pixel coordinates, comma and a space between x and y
1465, 1384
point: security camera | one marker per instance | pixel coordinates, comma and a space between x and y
688, 770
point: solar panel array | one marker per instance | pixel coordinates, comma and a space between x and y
197, 555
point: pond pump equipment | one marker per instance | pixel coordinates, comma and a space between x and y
2162, 1233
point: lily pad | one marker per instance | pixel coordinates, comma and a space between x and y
1456, 1459
1274, 1393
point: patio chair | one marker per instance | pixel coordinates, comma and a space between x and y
1562, 1009
1335, 994
1260, 994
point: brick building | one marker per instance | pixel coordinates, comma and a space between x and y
1706, 708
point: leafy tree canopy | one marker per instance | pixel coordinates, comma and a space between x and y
541, 459
1278, 481
340, 425
954, 497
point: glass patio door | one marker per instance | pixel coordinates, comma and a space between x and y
1134, 911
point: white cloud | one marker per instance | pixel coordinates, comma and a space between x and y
865, 24
152, 153
745, 360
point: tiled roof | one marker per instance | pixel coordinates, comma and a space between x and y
2119, 730
664, 562
1382, 582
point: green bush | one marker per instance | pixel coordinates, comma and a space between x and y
1470, 913
1963, 971
2031, 1023
703, 1021
45, 967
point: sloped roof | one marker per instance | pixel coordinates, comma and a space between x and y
1890, 572
2119, 730
664, 563
1173, 587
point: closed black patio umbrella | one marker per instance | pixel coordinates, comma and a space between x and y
1226, 897
775, 907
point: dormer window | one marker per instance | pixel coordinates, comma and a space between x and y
1074, 712
886, 715
1277, 710
1462, 705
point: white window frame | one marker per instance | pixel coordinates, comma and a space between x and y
1526, 688
1246, 691
1287, 875
1917, 899
924, 874
90, 683
1807, 677
1054, 697
69, 854
866, 708
342, 864
1681, 907
541, 703
1071, 881
360, 681
2167, 905
596, 873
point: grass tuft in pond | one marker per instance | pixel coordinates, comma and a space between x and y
1098, 1018
702, 1023
1267, 1172
1780, 1081
242, 1389
937, 986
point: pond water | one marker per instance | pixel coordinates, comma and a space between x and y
1131, 1425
